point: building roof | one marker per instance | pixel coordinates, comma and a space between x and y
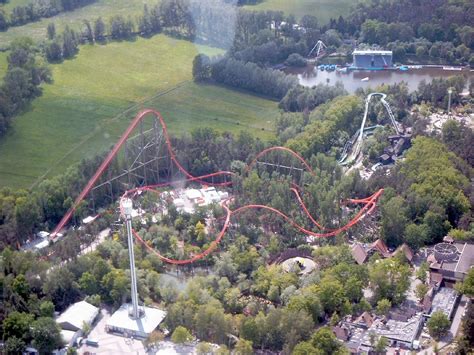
68, 336
146, 324
193, 194
406, 250
43, 244
435, 278
461, 264
358, 253
89, 219
466, 261
76, 315
448, 239
445, 301
365, 318
371, 52
342, 333
380, 246
400, 331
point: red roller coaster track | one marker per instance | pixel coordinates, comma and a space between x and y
369, 203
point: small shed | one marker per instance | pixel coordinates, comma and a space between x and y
358, 253
380, 246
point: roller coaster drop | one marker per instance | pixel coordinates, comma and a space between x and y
368, 204
355, 144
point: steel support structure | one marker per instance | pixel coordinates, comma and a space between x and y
133, 312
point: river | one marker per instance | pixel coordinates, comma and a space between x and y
310, 76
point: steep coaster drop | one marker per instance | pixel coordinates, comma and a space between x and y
354, 145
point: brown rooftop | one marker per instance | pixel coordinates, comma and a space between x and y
358, 253
406, 250
365, 318
380, 246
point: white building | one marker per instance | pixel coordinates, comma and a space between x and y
72, 320
121, 324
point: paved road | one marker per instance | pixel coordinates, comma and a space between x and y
100, 238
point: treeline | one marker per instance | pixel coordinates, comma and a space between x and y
21, 83
268, 82
38, 9
251, 77
427, 196
438, 30
301, 98
436, 91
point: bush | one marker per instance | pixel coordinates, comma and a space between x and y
181, 335
438, 325
295, 60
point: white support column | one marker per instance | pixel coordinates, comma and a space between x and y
128, 207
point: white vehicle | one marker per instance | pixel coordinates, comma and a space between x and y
376, 166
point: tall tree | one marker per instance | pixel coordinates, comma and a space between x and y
99, 30
46, 335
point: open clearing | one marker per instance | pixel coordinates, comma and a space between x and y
80, 114
74, 19
324, 10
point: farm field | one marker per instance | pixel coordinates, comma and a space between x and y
82, 112
324, 10
74, 19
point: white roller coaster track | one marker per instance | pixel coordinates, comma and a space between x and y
357, 147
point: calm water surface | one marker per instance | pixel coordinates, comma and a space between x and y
310, 76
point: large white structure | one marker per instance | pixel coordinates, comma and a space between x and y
187, 200
121, 322
127, 210
132, 320
372, 59
73, 319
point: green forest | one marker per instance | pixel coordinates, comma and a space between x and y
65, 100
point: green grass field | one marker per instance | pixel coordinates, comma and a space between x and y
324, 10
8, 7
3, 64
80, 114
74, 19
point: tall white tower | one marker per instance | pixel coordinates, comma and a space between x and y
133, 321
127, 209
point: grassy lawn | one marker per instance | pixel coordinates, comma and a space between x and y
324, 10
81, 113
8, 7
3, 64
102, 8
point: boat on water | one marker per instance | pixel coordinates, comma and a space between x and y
365, 79
341, 70
403, 68
453, 68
